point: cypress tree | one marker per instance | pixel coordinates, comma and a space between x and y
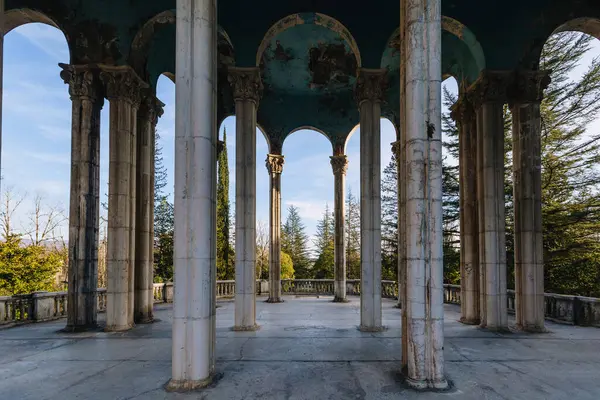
225, 266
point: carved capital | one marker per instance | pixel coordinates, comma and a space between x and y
339, 164
529, 86
245, 83
122, 83
371, 85
396, 149
83, 81
490, 87
274, 163
151, 107
463, 110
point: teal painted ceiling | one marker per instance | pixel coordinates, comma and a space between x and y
308, 78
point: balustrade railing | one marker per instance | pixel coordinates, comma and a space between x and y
43, 306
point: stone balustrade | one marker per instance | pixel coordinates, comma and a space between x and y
44, 306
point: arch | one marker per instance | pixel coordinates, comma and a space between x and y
590, 26
21, 16
309, 128
307, 18
357, 126
463, 33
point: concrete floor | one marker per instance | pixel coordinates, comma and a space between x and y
307, 348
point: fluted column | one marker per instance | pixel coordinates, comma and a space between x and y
488, 95
370, 88
87, 99
421, 133
123, 91
195, 250
274, 163
247, 89
464, 115
150, 110
527, 189
339, 163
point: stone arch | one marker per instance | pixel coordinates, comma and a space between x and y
307, 18
141, 46
357, 126
310, 128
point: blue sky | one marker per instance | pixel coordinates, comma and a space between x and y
37, 128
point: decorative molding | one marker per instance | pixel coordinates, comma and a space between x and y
490, 87
150, 107
396, 148
463, 110
245, 83
528, 86
274, 163
371, 85
339, 164
122, 83
83, 81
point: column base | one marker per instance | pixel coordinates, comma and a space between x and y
532, 328
145, 320
340, 300
498, 329
175, 385
252, 328
469, 321
116, 328
80, 328
274, 300
363, 328
426, 385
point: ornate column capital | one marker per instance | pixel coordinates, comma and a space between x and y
274, 163
396, 148
371, 85
339, 164
246, 83
463, 110
150, 107
122, 83
528, 86
83, 81
490, 87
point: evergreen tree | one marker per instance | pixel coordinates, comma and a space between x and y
352, 236
389, 221
164, 227
324, 243
160, 171
294, 242
225, 263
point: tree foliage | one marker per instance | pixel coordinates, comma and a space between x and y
389, 221
225, 260
324, 245
294, 242
287, 266
352, 236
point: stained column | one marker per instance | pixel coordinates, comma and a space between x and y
150, 110
464, 115
527, 190
339, 163
87, 99
488, 95
421, 133
247, 89
370, 87
196, 136
274, 163
123, 92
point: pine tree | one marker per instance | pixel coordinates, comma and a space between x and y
352, 236
324, 244
389, 221
225, 264
160, 171
294, 242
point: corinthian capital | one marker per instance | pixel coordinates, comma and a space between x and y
246, 83
83, 81
370, 85
274, 163
339, 164
122, 83
490, 87
463, 110
151, 107
529, 86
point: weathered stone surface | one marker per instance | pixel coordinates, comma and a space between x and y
274, 163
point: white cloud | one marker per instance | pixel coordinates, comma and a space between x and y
47, 38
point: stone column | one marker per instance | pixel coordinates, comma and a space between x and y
150, 110
195, 250
370, 88
339, 163
247, 89
87, 99
527, 189
488, 95
123, 91
274, 164
421, 87
464, 115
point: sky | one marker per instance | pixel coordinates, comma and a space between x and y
36, 138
